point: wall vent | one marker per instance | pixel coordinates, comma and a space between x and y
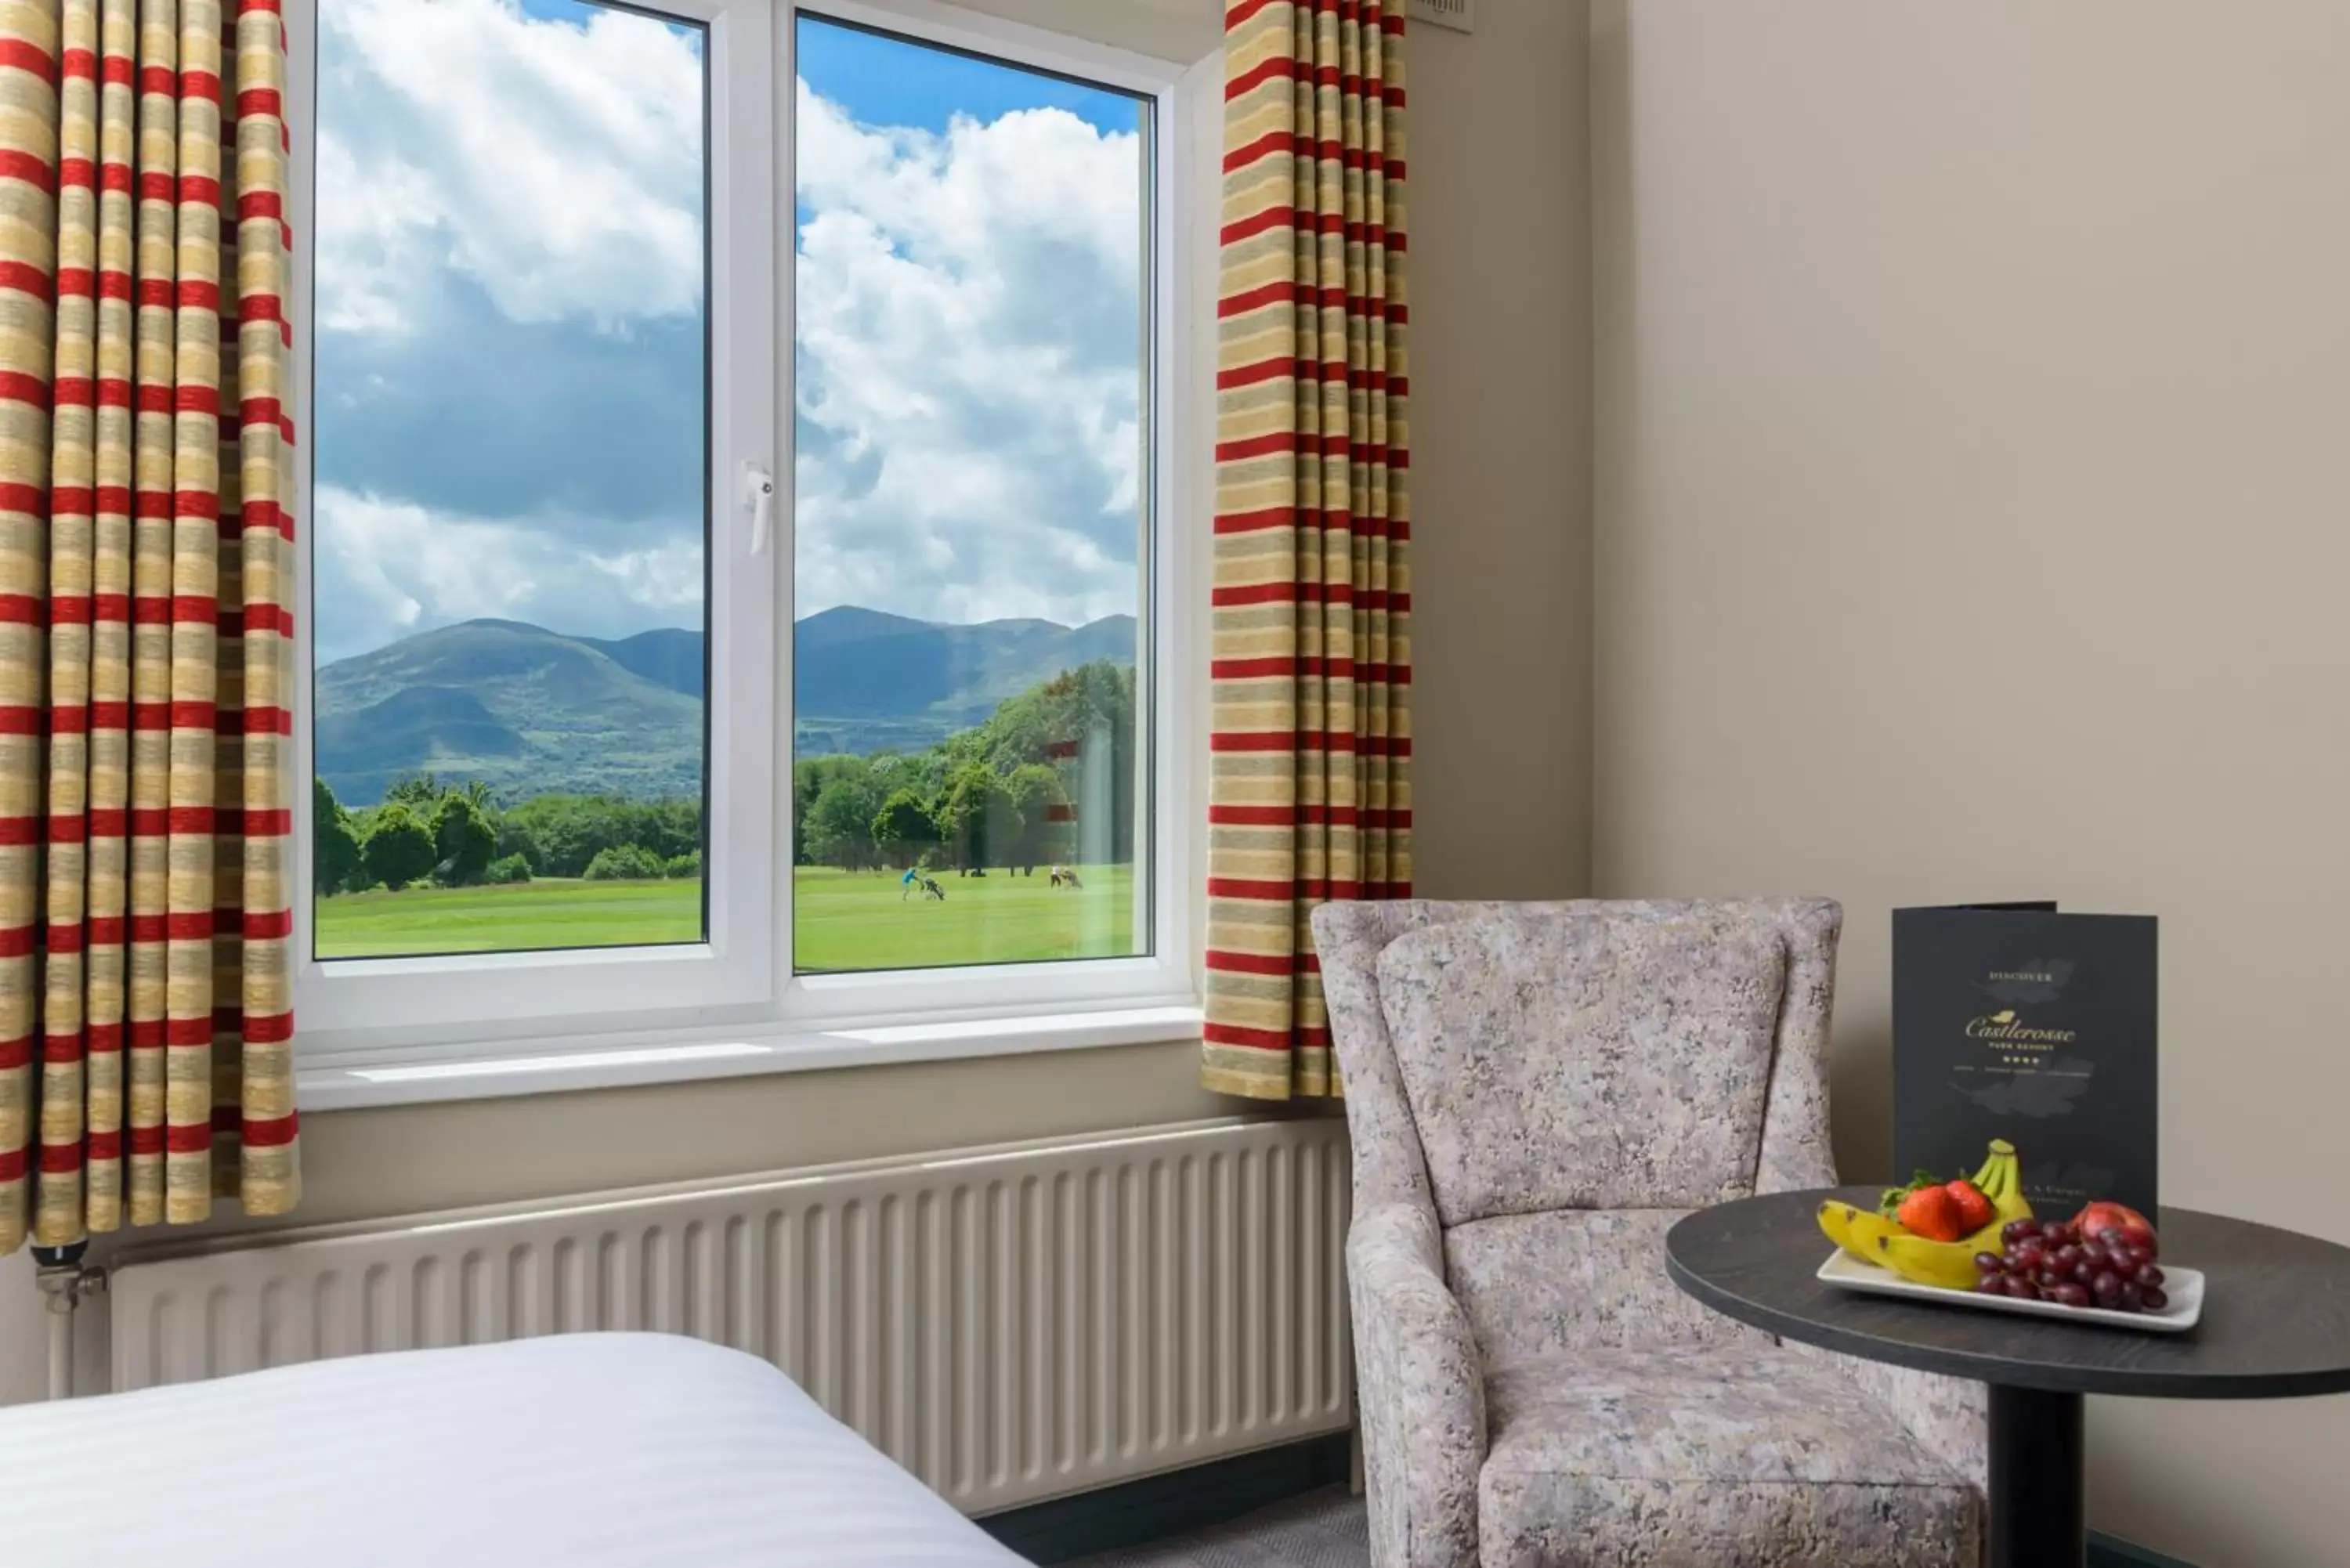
1460, 15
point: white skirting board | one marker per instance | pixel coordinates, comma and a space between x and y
1010, 1324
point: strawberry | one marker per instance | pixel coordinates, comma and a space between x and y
1975, 1210
1933, 1213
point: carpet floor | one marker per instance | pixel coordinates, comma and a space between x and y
1325, 1529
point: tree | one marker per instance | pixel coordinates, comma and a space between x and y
518, 840
845, 837
1042, 801
1082, 722
560, 833
508, 869
624, 863
904, 829
464, 839
334, 855
419, 791
978, 819
838, 829
399, 849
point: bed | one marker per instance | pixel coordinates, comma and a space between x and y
581, 1450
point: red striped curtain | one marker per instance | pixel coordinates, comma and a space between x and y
146, 582
1309, 793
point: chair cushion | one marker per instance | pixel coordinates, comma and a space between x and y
1575, 1062
1548, 1284
1704, 1456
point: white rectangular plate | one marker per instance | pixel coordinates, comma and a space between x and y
2183, 1286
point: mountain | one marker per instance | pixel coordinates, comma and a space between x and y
669, 655
531, 710
864, 681
525, 709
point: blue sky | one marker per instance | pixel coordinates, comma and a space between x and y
510, 326
883, 81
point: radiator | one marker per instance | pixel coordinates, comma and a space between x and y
1010, 1324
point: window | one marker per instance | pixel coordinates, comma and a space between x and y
509, 497
971, 508
738, 489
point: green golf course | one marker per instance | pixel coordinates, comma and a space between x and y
842, 920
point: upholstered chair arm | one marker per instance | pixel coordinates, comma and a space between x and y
1949, 1416
1422, 1388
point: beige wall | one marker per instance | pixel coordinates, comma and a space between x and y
1501, 416
1970, 522
24, 1352
1500, 371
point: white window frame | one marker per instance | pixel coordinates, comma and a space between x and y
374, 1030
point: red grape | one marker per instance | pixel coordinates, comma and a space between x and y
2066, 1258
1990, 1263
2019, 1230
2133, 1295
2107, 1287
2070, 1295
2147, 1276
2029, 1254
1992, 1285
2152, 1298
2024, 1290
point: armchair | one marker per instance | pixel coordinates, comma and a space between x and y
1535, 1093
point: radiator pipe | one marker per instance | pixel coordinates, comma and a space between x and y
64, 1280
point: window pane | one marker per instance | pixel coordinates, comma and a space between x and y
509, 477
972, 509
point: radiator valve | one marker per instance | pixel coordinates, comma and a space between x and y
64, 1278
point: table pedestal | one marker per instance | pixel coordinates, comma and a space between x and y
2037, 1516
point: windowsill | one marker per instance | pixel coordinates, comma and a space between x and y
545, 1067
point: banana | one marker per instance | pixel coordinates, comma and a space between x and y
1880, 1239
2001, 1179
1856, 1229
1950, 1264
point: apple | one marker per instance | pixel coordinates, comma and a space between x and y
2136, 1230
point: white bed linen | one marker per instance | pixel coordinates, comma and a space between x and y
582, 1450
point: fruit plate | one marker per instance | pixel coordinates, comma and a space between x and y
2183, 1286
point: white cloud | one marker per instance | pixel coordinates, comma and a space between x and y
388, 568
969, 304
969, 366
557, 165
369, 251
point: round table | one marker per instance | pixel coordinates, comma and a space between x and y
2275, 1325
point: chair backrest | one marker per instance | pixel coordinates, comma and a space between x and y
1503, 1059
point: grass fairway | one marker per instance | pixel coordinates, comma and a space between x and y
550, 914
855, 919
843, 920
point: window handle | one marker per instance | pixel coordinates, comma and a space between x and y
759, 496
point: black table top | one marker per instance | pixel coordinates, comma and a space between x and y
2275, 1324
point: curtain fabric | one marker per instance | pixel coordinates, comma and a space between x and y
1309, 792
145, 589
